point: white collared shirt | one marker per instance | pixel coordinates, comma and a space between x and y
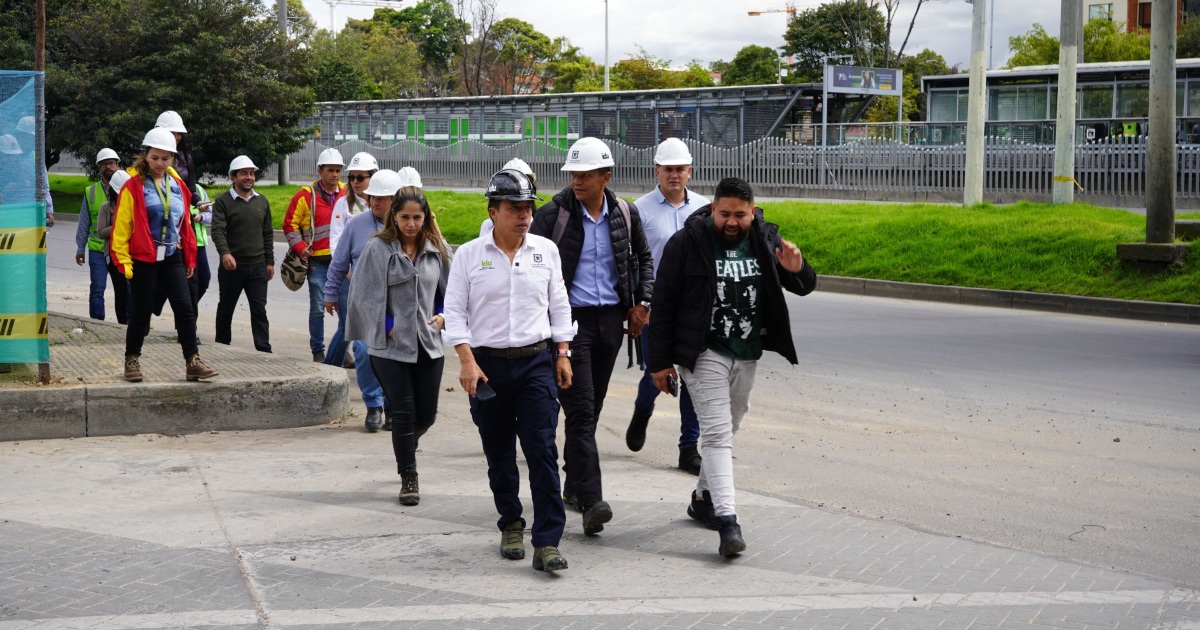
661, 220
233, 192
342, 211
493, 303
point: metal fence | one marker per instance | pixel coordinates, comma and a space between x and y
1108, 171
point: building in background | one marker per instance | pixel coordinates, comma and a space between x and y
1135, 14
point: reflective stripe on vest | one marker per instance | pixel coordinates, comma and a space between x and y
95, 243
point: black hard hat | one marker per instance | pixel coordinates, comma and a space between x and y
511, 185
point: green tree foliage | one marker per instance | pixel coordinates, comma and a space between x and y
1187, 45
647, 72
844, 27
1103, 41
436, 28
572, 71
301, 26
753, 65
337, 66
516, 53
114, 65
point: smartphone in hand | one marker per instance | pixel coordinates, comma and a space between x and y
483, 391
673, 386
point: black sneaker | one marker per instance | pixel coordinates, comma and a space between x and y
374, 419
701, 509
595, 515
732, 542
635, 435
319, 356
689, 459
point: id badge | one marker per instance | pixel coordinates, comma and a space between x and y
162, 252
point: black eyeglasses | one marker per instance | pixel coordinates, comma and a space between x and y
358, 178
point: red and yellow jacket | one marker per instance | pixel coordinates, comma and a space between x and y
131, 238
311, 213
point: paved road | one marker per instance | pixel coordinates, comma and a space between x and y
1070, 437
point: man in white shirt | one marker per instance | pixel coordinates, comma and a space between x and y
509, 319
664, 210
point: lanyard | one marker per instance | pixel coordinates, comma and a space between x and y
164, 195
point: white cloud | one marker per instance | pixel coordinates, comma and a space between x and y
708, 30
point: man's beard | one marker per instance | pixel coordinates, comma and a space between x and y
733, 239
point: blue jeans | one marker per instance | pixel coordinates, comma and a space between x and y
98, 270
372, 391
336, 355
317, 271
689, 425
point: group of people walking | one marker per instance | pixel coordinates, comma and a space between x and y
536, 309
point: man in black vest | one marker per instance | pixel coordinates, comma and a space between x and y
607, 268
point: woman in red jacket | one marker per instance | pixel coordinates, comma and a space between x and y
154, 246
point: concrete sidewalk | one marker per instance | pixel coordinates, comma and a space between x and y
87, 395
301, 528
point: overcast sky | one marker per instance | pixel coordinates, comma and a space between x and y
708, 30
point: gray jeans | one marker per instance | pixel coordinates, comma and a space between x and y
720, 389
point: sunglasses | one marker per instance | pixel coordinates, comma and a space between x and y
358, 178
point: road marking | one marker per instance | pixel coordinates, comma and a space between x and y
603, 607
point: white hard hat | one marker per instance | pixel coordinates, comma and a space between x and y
330, 156
672, 152
240, 162
171, 121
9, 145
519, 165
385, 183
26, 125
106, 154
588, 154
410, 177
362, 162
117, 181
159, 138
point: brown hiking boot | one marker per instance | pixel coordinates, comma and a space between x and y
197, 369
133, 369
410, 492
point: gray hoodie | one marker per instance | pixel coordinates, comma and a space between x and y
386, 282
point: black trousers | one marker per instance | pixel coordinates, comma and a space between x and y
412, 394
122, 306
166, 277
201, 279
524, 408
594, 352
253, 280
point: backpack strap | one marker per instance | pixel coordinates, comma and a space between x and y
560, 226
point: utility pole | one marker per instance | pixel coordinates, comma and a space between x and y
1064, 137
605, 45
283, 28
1160, 146
39, 36
976, 104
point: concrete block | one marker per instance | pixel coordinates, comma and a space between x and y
1187, 230
912, 291
36, 413
183, 407
837, 284
986, 297
1040, 301
1152, 252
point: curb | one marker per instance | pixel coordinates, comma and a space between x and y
1170, 312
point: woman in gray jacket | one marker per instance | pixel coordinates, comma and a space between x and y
395, 302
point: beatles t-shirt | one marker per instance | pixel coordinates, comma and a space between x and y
735, 325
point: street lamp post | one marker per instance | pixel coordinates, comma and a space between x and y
605, 45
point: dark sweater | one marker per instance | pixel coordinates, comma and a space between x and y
243, 229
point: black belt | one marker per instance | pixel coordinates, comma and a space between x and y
512, 353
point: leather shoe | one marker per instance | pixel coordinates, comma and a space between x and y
701, 509
732, 542
689, 459
635, 435
595, 515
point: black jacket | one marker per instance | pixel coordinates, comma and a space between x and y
681, 311
635, 269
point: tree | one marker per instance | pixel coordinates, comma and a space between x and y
240, 85
1187, 45
752, 65
926, 63
844, 27
517, 53
337, 77
436, 28
301, 26
571, 71
1103, 41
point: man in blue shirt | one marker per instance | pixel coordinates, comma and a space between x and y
608, 272
663, 211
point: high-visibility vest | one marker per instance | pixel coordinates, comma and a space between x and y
95, 199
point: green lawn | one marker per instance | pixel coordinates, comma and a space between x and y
1069, 249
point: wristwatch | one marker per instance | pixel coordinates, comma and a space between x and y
564, 354
644, 303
